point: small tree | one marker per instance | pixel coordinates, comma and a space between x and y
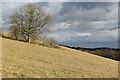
49, 40
15, 30
31, 19
52, 40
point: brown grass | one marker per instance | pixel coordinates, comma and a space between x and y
25, 60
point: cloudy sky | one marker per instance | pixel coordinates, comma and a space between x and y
84, 24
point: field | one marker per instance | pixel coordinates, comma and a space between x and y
23, 60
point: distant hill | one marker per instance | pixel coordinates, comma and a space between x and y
23, 60
111, 53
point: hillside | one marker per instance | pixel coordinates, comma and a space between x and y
21, 59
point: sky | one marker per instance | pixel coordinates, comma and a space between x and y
83, 24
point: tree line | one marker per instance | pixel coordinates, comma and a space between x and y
111, 53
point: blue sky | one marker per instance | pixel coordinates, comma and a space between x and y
84, 24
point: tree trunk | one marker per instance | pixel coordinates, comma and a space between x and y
16, 37
29, 38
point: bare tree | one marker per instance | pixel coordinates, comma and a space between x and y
52, 40
49, 40
15, 30
31, 19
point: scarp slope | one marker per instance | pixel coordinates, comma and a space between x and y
23, 60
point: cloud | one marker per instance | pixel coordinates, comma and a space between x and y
105, 36
60, 1
60, 26
0, 13
82, 34
94, 14
8, 8
54, 8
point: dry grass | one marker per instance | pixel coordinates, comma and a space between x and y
25, 60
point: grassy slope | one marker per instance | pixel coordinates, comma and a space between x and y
31, 60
